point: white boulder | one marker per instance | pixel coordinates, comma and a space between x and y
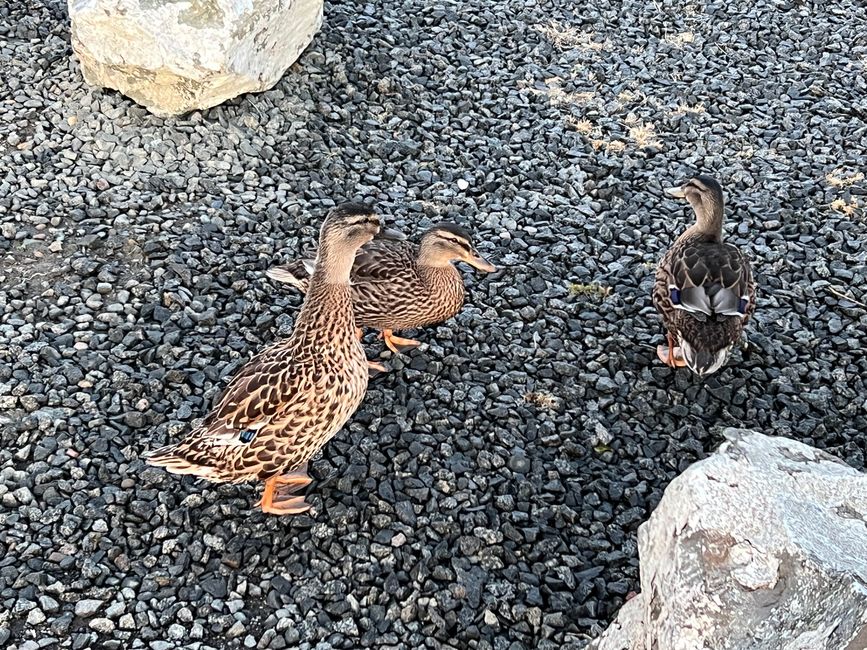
761, 546
626, 632
174, 56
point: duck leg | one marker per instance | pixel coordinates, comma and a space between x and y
375, 365
396, 343
281, 506
372, 365
277, 501
670, 355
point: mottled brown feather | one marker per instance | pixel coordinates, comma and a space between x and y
699, 260
391, 289
288, 401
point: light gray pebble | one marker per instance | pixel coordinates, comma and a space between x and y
87, 607
102, 625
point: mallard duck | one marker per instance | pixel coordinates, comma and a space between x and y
704, 288
399, 285
291, 398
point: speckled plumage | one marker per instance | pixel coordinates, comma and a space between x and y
292, 397
704, 289
396, 284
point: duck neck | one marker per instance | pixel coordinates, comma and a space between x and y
332, 266
436, 274
326, 314
444, 282
709, 215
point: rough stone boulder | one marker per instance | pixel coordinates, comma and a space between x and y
173, 56
761, 546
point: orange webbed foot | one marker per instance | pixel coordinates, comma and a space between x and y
397, 344
276, 497
665, 355
671, 354
288, 506
375, 367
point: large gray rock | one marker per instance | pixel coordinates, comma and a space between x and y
173, 56
626, 632
761, 546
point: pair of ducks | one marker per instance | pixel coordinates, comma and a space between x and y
293, 397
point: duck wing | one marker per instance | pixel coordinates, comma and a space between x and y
380, 260
383, 261
710, 278
262, 414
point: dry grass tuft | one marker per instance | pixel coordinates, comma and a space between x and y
559, 97
567, 37
541, 399
848, 208
840, 178
592, 290
584, 127
681, 39
644, 135
684, 109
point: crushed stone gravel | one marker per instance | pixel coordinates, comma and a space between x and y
488, 493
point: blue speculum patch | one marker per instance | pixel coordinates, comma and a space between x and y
247, 435
742, 306
675, 296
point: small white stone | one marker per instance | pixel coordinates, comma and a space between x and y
102, 625
115, 610
35, 617
94, 301
176, 631
48, 604
236, 630
214, 542
87, 607
462, 184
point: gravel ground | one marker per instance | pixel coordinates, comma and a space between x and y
488, 492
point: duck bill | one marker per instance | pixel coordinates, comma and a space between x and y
676, 192
478, 262
391, 233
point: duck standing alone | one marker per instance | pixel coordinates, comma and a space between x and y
704, 288
294, 396
399, 285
